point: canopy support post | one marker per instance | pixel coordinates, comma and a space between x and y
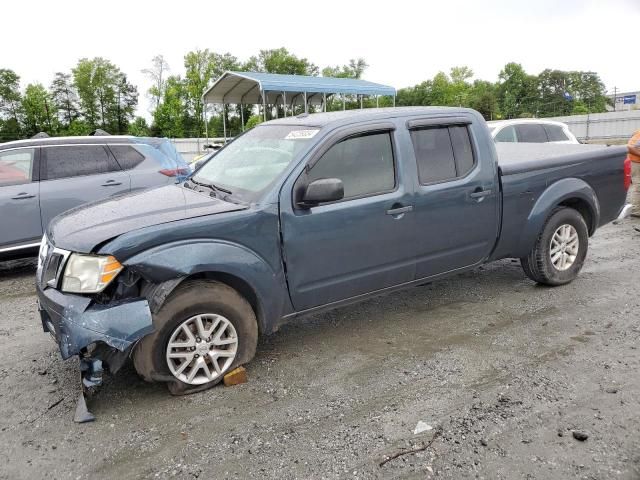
324, 102
224, 123
377, 102
284, 104
344, 102
394, 100
242, 116
361, 96
306, 108
264, 106
206, 123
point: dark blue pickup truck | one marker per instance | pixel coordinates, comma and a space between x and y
304, 214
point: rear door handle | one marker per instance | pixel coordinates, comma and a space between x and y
480, 193
111, 183
399, 210
22, 196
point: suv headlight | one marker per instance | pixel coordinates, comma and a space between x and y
89, 273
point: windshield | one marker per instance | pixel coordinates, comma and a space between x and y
250, 164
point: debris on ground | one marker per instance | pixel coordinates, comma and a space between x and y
422, 427
578, 435
235, 377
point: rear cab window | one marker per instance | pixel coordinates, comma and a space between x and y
17, 166
442, 153
531, 133
76, 160
555, 133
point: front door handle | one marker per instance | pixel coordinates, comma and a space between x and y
22, 196
111, 183
479, 194
399, 210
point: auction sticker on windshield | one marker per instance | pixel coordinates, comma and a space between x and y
300, 134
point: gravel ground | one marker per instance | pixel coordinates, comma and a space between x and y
511, 377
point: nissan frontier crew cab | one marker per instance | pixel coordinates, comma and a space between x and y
304, 214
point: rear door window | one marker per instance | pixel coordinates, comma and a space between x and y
442, 153
531, 133
462, 150
16, 166
127, 156
77, 160
555, 133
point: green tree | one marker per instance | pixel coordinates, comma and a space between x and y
169, 118
125, 105
10, 105
280, 60
107, 99
588, 91
483, 97
65, 99
39, 114
354, 69
139, 127
158, 76
254, 120
199, 66
517, 91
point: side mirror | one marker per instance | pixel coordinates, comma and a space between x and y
321, 191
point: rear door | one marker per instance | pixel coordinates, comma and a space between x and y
456, 202
20, 219
76, 174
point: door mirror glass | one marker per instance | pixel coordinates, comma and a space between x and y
321, 191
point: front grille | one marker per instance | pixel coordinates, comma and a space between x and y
51, 265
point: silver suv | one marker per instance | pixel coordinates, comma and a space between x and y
40, 178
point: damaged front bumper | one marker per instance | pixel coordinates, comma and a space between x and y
77, 323
98, 334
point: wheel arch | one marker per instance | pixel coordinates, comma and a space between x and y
164, 268
567, 192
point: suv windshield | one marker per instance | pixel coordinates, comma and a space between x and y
250, 164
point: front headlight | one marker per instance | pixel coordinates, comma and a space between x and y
89, 273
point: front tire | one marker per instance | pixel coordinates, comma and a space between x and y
204, 330
560, 250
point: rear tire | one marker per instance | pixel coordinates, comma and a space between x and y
560, 250
211, 313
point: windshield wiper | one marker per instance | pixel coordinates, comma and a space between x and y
212, 186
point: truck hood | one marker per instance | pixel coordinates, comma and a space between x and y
84, 227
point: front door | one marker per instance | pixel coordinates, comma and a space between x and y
19, 202
76, 174
357, 245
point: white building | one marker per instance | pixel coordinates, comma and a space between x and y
625, 101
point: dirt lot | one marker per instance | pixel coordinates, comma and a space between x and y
504, 371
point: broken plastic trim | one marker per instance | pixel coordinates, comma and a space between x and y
76, 323
90, 380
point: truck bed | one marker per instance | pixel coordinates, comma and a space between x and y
528, 171
516, 158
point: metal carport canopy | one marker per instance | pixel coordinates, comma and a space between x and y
247, 88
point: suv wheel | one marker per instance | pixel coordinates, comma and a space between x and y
204, 330
560, 249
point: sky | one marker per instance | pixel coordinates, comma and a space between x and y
404, 42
